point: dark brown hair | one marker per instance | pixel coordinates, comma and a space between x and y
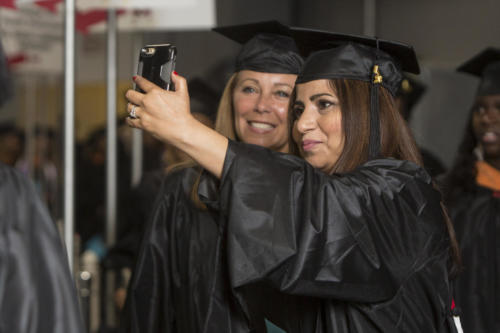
396, 139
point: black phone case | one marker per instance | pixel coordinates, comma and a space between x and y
156, 63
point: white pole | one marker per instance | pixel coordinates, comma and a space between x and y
69, 128
111, 159
137, 149
111, 163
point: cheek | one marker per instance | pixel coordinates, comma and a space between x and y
282, 111
333, 129
242, 104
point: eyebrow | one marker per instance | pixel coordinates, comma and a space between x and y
283, 84
313, 97
249, 79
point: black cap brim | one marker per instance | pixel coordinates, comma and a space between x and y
266, 47
479, 62
311, 40
244, 32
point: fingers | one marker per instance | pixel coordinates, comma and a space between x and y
133, 110
135, 123
144, 84
179, 82
134, 97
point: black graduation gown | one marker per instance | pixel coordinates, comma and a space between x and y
37, 293
363, 252
476, 217
179, 283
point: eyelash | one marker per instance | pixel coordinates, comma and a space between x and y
282, 93
249, 90
324, 104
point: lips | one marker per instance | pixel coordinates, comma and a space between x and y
308, 145
490, 137
261, 125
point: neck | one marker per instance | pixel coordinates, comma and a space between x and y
494, 162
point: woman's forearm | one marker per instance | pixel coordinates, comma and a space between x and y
206, 146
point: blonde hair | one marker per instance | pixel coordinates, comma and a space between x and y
224, 124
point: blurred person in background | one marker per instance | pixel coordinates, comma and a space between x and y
43, 168
472, 189
409, 94
37, 292
11, 143
180, 283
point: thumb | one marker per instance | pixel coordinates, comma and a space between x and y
180, 83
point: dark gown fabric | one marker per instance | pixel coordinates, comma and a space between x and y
37, 293
476, 217
179, 283
363, 252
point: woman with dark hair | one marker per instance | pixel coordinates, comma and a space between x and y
179, 283
472, 190
351, 238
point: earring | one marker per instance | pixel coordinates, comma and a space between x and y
478, 151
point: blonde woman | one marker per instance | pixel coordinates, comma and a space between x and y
179, 283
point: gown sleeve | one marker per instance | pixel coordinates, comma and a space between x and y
355, 237
37, 292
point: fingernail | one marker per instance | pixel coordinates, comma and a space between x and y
134, 77
175, 72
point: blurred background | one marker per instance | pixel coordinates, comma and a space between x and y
444, 33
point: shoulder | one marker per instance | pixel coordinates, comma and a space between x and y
18, 198
392, 174
398, 183
13, 181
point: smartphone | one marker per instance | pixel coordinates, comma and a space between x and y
156, 63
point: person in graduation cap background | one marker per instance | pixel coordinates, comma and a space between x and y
353, 236
472, 189
409, 93
180, 282
37, 292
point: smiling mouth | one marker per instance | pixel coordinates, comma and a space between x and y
261, 126
489, 137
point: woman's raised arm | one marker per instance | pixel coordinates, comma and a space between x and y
166, 115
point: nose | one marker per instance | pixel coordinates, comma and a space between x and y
263, 104
307, 121
489, 114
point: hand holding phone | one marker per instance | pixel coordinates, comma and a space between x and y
156, 64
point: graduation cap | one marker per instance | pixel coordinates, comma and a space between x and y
342, 56
267, 47
410, 91
486, 66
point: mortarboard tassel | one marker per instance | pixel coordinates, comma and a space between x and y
374, 143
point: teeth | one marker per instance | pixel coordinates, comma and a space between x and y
260, 125
490, 136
